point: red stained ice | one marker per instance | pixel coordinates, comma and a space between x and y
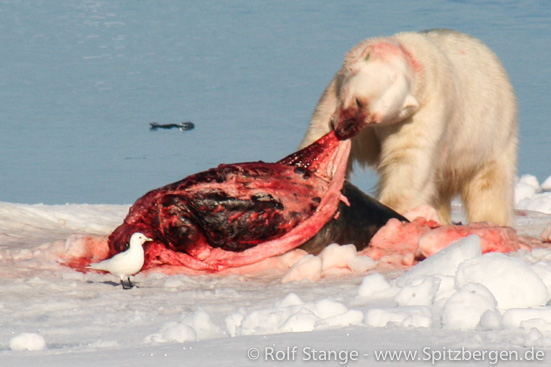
401, 243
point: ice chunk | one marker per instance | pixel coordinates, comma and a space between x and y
361, 264
334, 259
464, 310
546, 185
328, 308
333, 314
490, 320
309, 267
420, 292
291, 314
511, 280
191, 327
376, 286
538, 203
289, 300
446, 261
27, 341
233, 322
529, 180
337, 256
527, 186
301, 321
278, 318
543, 269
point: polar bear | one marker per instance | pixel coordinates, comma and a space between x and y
437, 117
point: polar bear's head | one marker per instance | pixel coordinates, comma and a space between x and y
375, 86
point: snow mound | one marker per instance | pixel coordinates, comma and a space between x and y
530, 195
191, 327
376, 286
460, 288
334, 259
546, 185
446, 261
465, 308
511, 281
27, 341
291, 314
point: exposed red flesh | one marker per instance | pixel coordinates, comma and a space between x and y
239, 214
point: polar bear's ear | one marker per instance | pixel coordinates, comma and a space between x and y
366, 53
410, 106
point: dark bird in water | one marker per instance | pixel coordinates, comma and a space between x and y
182, 126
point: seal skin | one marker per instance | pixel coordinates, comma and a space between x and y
355, 223
238, 214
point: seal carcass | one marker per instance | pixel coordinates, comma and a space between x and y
239, 214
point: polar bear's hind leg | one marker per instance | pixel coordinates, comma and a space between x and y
487, 194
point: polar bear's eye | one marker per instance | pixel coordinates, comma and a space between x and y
367, 56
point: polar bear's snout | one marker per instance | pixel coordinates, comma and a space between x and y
350, 121
346, 129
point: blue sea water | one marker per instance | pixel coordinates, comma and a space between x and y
81, 80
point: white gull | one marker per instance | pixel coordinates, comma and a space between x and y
125, 263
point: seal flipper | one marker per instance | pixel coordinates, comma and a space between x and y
355, 224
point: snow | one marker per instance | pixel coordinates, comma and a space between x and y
546, 185
465, 308
27, 341
527, 187
190, 327
81, 81
457, 298
507, 280
334, 259
445, 262
291, 314
376, 286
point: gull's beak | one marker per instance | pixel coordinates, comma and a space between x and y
148, 239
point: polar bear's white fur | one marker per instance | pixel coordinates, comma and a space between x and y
438, 117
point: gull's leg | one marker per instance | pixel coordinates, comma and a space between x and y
124, 286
